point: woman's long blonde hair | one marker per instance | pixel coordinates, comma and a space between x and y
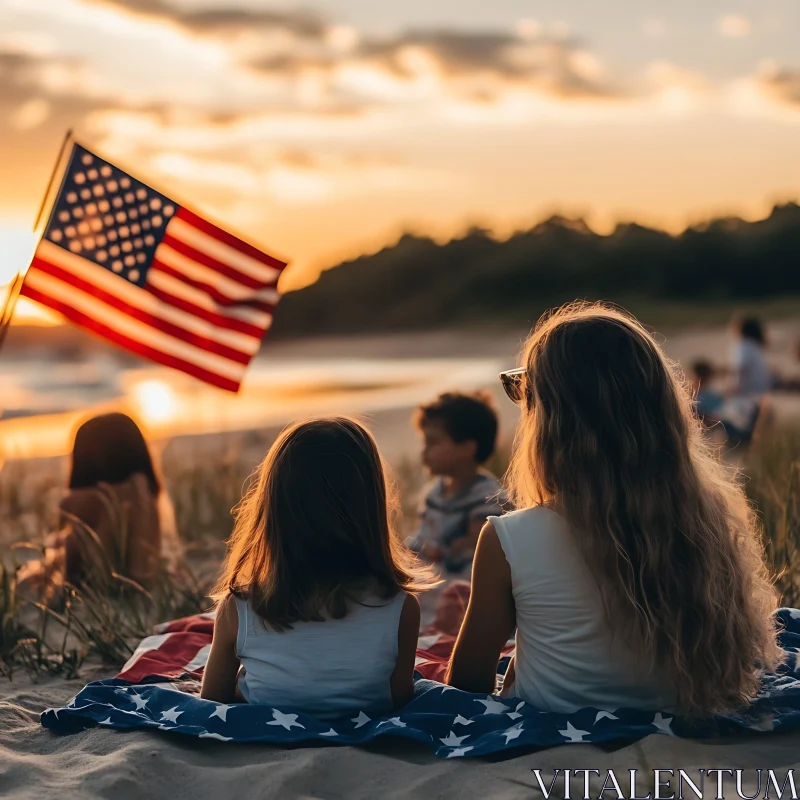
314, 532
609, 438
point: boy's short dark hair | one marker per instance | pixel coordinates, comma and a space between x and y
703, 369
466, 417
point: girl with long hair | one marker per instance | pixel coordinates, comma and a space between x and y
633, 571
316, 605
115, 518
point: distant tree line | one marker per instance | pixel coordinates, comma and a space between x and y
419, 284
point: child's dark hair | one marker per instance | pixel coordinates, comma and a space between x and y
466, 417
110, 448
703, 369
751, 328
314, 529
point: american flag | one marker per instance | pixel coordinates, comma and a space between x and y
157, 690
128, 263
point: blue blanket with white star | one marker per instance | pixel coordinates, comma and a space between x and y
450, 722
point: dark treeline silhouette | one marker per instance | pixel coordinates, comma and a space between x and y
420, 284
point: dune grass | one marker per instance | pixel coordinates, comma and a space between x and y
772, 482
58, 631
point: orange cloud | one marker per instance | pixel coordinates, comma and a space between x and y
734, 26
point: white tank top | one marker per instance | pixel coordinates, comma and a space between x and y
325, 669
565, 657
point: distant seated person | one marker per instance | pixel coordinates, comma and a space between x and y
750, 373
114, 519
751, 380
460, 434
707, 401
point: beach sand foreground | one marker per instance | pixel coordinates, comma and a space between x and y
100, 763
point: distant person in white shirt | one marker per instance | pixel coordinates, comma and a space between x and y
751, 376
750, 380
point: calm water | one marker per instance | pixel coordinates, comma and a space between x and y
42, 402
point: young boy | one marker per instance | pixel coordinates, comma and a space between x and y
460, 432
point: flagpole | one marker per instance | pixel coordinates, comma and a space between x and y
8, 306
15, 287
67, 137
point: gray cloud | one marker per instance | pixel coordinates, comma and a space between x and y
545, 63
784, 85
221, 19
477, 66
20, 76
32, 123
550, 64
458, 51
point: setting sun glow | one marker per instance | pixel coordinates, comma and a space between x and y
16, 250
155, 401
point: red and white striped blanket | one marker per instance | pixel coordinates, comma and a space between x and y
180, 649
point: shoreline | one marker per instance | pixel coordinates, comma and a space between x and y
379, 378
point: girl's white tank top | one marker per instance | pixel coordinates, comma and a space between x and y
566, 657
325, 669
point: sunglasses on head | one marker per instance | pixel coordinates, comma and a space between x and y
513, 381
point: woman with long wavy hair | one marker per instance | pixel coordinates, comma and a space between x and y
633, 570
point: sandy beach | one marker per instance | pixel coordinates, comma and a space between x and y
100, 763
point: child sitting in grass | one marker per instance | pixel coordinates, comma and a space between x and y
707, 401
316, 607
460, 433
116, 517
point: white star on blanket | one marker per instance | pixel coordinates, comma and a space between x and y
513, 733
663, 724
396, 721
221, 711
287, 721
493, 706
573, 734
452, 740
604, 715
459, 752
361, 719
171, 715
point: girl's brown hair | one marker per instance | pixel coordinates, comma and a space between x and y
313, 533
608, 438
109, 448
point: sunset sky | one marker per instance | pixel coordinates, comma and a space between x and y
324, 129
